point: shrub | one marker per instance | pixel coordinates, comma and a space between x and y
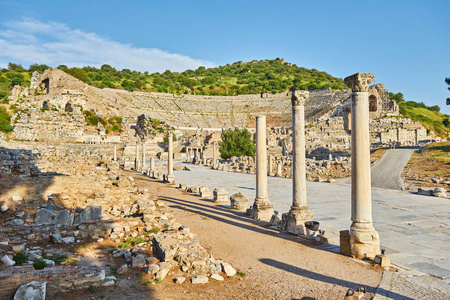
20, 258
39, 264
237, 142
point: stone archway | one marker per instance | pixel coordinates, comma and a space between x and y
373, 103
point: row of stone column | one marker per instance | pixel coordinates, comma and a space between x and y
364, 240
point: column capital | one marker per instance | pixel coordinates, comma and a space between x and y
299, 97
359, 82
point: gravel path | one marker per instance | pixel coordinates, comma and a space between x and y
387, 172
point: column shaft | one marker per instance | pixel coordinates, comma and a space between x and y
361, 185
170, 158
299, 174
143, 156
261, 159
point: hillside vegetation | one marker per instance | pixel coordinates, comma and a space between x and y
429, 116
232, 79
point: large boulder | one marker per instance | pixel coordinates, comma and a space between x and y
34, 290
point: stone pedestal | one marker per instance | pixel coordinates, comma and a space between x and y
279, 170
220, 195
262, 209
205, 192
238, 201
364, 240
299, 212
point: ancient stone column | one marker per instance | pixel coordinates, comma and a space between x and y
115, 153
152, 163
262, 209
269, 164
170, 176
279, 170
299, 212
137, 156
214, 155
143, 156
364, 240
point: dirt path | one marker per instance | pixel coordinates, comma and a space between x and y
277, 265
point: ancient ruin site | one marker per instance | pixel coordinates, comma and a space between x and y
114, 194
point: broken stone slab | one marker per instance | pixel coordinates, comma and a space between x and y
228, 269
17, 222
68, 240
152, 269
7, 261
164, 269
138, 261
91, 213
199, 279
440, 192
424, 192
179, 280
56, 238
45, 217
238, 201
217, 277
122, 269
64, 218
17, 198
33, 290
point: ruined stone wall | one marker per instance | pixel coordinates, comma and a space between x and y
20, 163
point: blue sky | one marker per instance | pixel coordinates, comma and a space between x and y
404, 43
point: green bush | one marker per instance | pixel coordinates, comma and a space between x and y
39, 264
5, 120
20, 258
237, 142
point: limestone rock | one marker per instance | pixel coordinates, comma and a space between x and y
34, 290
199, 279
68, 240
56, 238
64, 218
7, 261
164, 269
217, 277
138, 261
17, 198
152, 269
4, 208
239, 201
17, 222
45, 217
90, 214
228, 269
179, 280
440, 192
205, 192
122, 269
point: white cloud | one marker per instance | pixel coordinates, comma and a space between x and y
28, 42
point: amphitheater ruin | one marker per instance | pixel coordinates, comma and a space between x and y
65, 182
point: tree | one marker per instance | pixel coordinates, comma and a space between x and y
237, 142
447, 80
39, 68
5, 124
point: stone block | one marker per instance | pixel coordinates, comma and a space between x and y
90, 214
64, 218
344, 241
34, 290
68, 240
138, 261
45, 217
7, 261
205, 192
220, 195
228, 269
199, 279
238, 201
56, 238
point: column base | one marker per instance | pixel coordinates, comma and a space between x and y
364, 241
295, 220
170, 179
262, 210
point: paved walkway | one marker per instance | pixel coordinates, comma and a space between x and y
413, 229
387, 172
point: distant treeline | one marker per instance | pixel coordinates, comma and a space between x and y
273, 76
